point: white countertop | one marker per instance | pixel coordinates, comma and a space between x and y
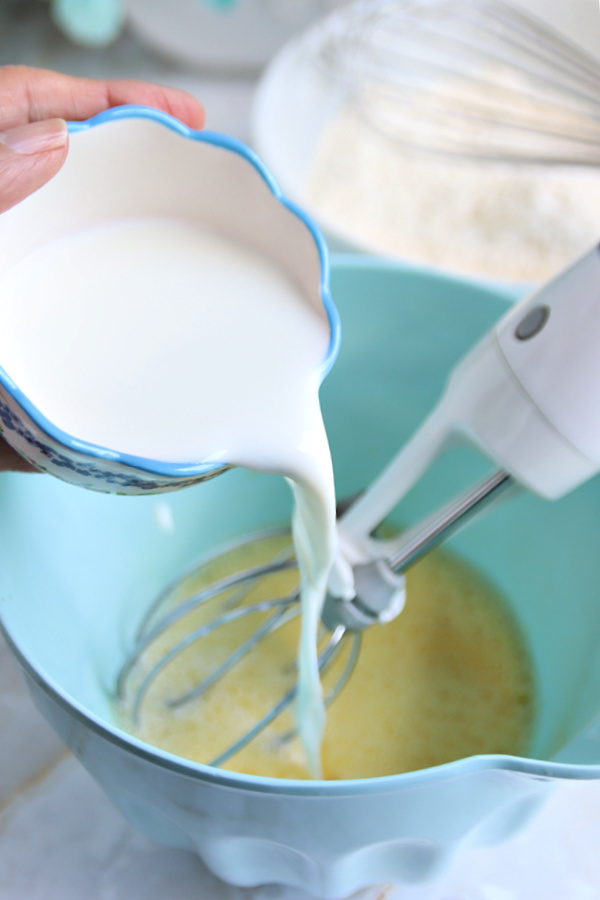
59, 836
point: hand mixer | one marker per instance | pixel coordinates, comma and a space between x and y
525, 395
472, 78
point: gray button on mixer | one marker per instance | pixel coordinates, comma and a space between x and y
533, 323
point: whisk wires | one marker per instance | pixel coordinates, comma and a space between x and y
172, 627
474, 78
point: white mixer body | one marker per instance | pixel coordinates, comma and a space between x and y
529, 392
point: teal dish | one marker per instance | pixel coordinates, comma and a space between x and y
78, 570
134, 161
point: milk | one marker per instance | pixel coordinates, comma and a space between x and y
162, 340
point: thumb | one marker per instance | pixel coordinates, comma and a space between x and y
30, 155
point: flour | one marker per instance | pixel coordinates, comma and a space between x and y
500, 220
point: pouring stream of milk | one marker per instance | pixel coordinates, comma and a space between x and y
159, 339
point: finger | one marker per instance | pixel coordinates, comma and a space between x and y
28, 95
29, 157
11, 461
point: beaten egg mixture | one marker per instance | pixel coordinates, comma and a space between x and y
449, 678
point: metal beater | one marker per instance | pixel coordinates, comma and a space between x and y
525, 395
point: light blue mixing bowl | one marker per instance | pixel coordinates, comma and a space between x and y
77, 570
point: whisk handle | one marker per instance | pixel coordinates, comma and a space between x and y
419, 540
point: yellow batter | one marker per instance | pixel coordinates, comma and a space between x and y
449, 678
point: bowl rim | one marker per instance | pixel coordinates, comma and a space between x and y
185, 470
538, 769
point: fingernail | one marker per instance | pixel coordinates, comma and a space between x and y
36, 137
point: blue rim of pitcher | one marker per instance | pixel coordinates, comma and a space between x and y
144, 464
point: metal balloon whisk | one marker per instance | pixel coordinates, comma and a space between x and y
472, 78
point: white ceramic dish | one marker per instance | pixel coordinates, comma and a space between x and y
137, 162
294, 106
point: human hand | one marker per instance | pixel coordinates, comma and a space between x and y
34, 107
34, 104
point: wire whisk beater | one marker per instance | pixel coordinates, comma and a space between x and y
473, 78
256, 581
242, 596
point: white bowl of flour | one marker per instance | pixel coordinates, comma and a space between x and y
499, 221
